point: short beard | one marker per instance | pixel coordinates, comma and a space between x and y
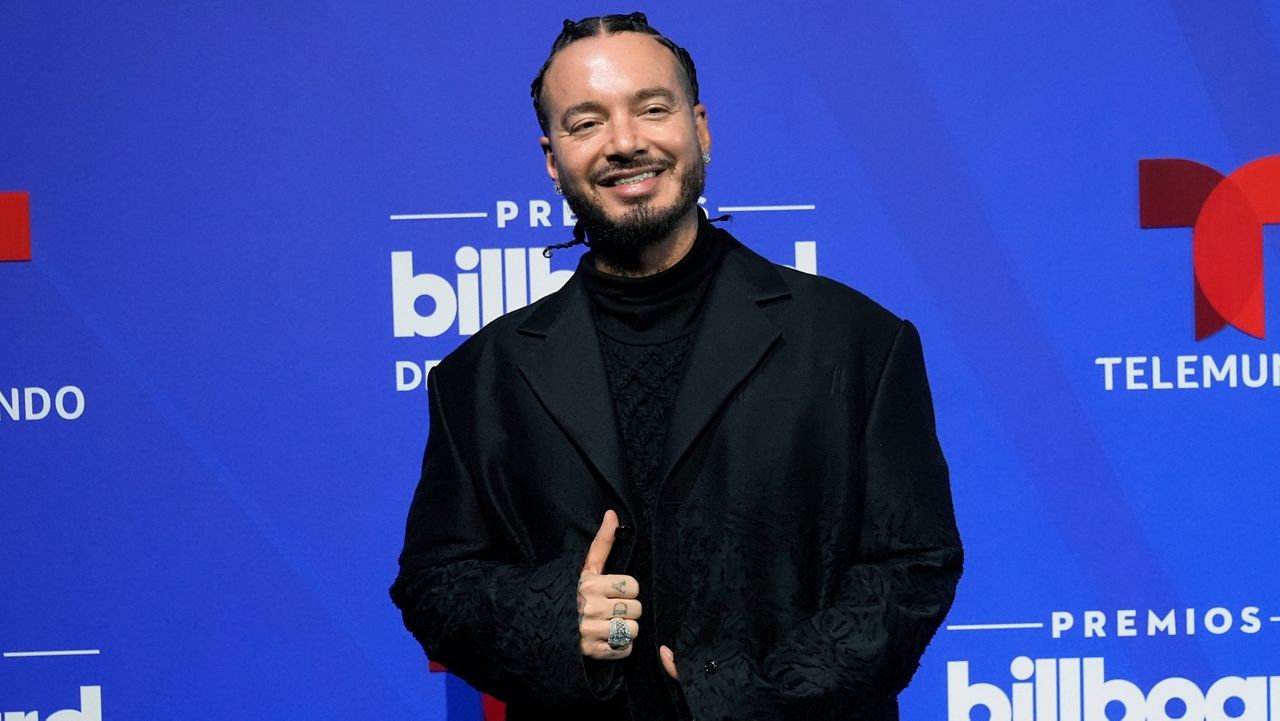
620, 244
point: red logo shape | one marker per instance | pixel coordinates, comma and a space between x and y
15, 226
1226, 214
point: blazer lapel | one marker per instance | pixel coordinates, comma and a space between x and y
733, 336
566, 373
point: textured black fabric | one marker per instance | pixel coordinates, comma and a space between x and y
804, 546
643, 380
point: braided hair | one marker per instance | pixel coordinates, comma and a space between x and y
600, 25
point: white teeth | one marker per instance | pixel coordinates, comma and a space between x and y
636, 178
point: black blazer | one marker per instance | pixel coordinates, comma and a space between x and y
804, 548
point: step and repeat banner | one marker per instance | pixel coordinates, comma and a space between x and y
234, 238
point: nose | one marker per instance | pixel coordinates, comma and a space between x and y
625, 139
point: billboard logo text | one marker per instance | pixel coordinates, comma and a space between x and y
1075, 689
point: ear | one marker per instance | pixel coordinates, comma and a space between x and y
550, 155
704, 133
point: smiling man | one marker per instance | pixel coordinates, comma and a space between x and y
691, 483
626, 142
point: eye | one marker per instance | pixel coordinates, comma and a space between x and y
583, 126
656, 110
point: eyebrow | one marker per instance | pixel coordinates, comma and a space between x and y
655, 92
640, 96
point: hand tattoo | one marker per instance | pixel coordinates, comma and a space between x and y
620, 586
619, 609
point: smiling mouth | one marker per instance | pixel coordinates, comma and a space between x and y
635, 178
625, 180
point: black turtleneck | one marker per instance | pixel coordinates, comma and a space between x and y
646, 328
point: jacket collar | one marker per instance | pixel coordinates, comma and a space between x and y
567, 373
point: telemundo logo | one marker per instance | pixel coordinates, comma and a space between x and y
36, 404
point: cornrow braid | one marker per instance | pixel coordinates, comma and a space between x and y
575, 30
579, 238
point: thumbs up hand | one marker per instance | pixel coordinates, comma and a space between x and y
605, 597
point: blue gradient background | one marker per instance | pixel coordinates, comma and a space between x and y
210, 190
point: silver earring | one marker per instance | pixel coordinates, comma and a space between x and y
557, 188
706, 158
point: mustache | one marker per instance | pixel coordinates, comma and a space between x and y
638, 165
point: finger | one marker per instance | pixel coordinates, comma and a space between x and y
613, 585
606, 608
598, 630
598, 553
668, 661
595, 639
600, 650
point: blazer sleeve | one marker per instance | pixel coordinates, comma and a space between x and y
851, 659
508, 629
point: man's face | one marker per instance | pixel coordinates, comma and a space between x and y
623, 141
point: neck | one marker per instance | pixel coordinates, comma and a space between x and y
659, 256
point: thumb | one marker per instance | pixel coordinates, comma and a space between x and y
602, 544
668, 661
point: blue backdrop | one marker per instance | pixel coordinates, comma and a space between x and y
211, 400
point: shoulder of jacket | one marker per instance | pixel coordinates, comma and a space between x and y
490, 341
825, 298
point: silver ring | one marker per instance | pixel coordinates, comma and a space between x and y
619, 634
